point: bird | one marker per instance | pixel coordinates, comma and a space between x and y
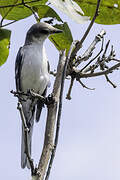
32, 73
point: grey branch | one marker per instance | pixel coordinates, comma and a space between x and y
79, 43
83, 85
88, 75
30, 94
51, 119
59, 108
89, 51
26, 130
107, 78
68, 96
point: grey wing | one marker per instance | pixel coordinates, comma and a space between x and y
18, 66
29, 116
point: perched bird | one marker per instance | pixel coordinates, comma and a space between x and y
31, 72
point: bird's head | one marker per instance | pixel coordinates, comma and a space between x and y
40, 31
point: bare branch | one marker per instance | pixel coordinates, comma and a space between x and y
84, 86
93, 58
33, 12
68, 96
30, 94
50, 124
106, 48
89, 51
26, 130
59, 110
107, 78
82, 75
79, 43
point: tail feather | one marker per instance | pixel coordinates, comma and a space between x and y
40, 105
39, 109
24, 160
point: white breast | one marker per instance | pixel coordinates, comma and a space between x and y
34, 72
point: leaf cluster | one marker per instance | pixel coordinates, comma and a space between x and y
15, 10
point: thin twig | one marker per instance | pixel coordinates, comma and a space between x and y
26, 130
68, 96
108, 80
8, 23
116, 60
89, 51
30, 94
94, 57
79, 44
106, 48
1, 22
31, 9
84, 86
14, 5
81, 75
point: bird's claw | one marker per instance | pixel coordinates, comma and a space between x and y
49, 100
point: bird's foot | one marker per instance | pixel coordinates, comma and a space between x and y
49, 100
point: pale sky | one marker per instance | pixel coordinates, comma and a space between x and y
89, 142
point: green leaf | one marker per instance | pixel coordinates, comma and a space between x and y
5, 11
17, 12
63, 40
109, 11
46, 11
4, 45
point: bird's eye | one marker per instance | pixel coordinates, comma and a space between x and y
44, 31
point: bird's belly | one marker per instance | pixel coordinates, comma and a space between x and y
34, 75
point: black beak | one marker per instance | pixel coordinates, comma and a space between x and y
55, 30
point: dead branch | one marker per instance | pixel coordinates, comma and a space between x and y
79, 43
88, 75
59, 110
83, 85
51, 119
108, 80
26, 130
94, 57
68, 96
89, 51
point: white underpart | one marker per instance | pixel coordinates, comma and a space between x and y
70, 8
34, 72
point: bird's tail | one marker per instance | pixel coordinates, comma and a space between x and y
40, 105
24, 160
29, 116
